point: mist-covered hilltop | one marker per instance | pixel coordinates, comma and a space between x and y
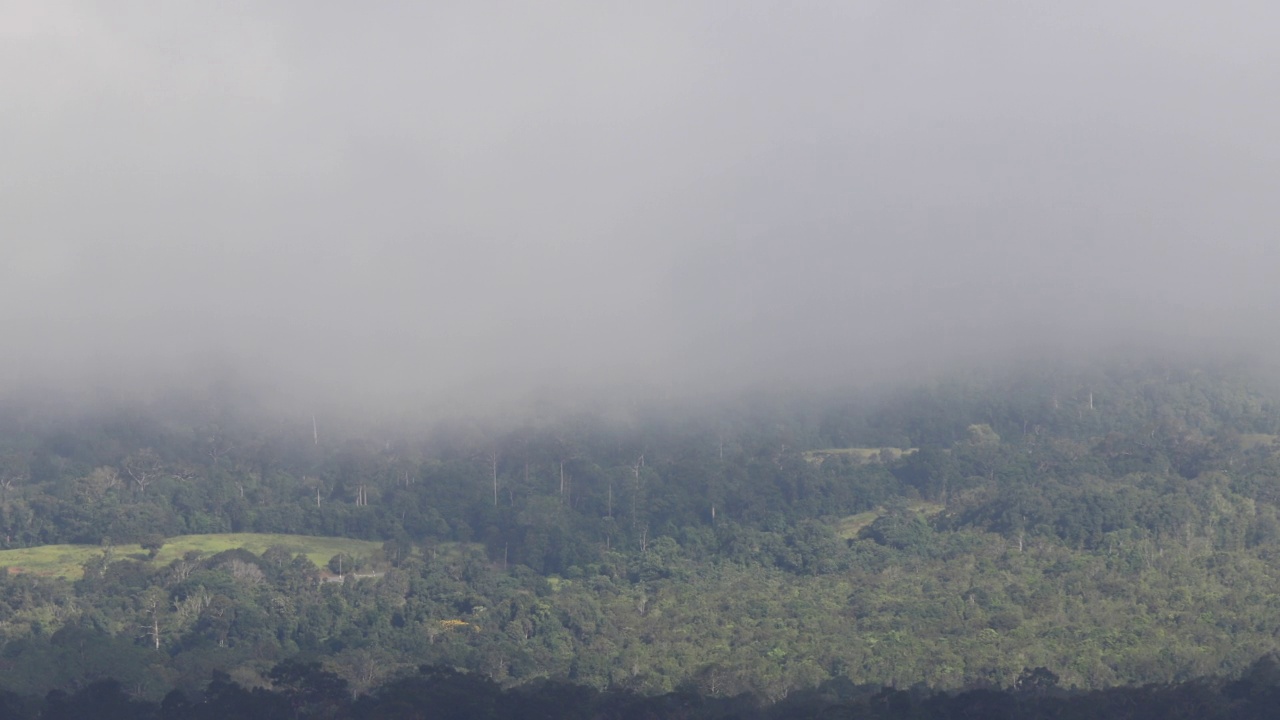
709, 349
469, 201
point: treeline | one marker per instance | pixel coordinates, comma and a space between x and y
306, 691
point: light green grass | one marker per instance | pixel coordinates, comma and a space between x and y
67, 561
1249, 441
849, 527
858, 453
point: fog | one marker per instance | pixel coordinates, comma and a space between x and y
401, 201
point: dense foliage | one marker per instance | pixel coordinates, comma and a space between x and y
1114, 526
306, 691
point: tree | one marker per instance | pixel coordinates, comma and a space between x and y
927, 470
97, 484
450, 694
143, 467
154, 604
216, 445
342, 563
310, 689
152, 544
1037, 681
103, 699
14, 469
398, 549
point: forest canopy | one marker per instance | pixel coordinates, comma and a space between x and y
1114, 526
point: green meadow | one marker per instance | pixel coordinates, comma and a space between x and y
865, 454
849, 527
67, 561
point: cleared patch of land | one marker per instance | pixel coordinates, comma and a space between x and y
858, 453
1248, 441
67, 561
849, 527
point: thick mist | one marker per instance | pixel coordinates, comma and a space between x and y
407, 201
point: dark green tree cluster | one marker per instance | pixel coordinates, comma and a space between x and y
306, 691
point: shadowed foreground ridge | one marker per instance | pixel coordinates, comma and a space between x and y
305, 691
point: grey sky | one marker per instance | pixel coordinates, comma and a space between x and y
439, 195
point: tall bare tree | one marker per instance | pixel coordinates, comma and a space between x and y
14, 470
143, 467
216, 444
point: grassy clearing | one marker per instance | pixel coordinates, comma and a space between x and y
66, 561
858, 453
1249, 441
849, 527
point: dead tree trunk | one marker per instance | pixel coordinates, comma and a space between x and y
493, 464
635, 495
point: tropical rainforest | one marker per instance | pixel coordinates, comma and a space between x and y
1057, 541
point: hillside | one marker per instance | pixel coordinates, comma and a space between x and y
1112, 525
